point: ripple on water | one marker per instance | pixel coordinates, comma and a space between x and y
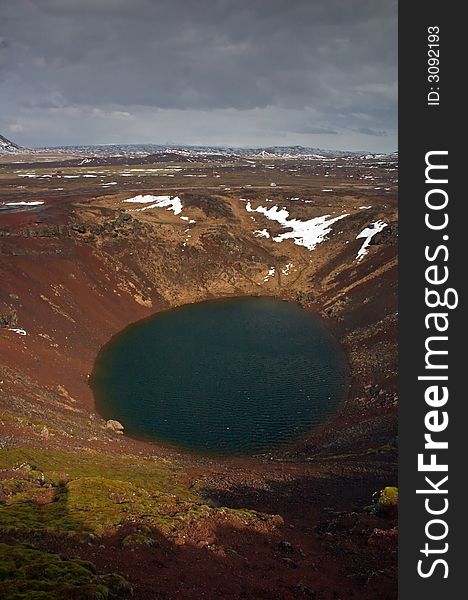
232, 376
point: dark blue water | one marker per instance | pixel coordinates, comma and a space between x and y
231, 376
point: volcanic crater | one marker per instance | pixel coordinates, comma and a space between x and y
89, 246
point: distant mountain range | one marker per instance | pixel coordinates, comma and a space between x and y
8, 146
188, 153
222, 152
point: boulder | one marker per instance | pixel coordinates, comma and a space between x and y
115, 426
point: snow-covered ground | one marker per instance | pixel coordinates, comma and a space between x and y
20, 204
262, 233
304, 233
166, 202
271, 272
287, 268
18, 331
25, 203
367, 234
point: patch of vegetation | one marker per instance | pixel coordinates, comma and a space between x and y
385, 449
385, 502
388, 497
86, 493
137, 540
27, 574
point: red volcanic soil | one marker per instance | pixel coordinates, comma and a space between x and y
315, 550
46, 272
80, 268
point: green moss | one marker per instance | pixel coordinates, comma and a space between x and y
386, 502
83, 494
137, 539
388, 497
27, 574
116, 583
88, 491
59, 466
385, 449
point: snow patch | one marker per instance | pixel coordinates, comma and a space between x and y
367, 234
271, 272
23, 203
304, 233
261, 233
167, 202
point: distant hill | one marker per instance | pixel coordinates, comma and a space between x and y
8, 146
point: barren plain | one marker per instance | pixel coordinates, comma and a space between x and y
111, 516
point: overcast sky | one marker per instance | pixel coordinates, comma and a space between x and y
317, 73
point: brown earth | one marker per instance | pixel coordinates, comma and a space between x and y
82, 266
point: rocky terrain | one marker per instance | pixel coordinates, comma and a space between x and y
91, 242
8, 146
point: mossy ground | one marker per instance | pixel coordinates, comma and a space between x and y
85, 498
385, 502
64, 491
54, 491
388, 499
28, 574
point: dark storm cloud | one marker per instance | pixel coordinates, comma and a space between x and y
326, 67
370, 131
